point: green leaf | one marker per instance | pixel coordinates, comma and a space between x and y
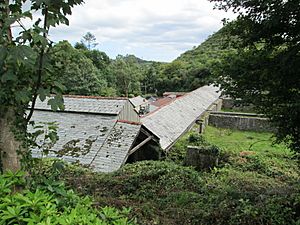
59, 85
43, 93
39, 39
66, 9
27, 14
23, 96
56, 103
8, 76
3, 53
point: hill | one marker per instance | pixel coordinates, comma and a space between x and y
194, 68
212, 48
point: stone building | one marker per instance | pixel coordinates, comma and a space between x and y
106, 133
102, 133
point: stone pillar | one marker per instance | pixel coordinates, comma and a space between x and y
202, 158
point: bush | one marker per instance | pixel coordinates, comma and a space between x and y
168, 193
19, 205
195, 138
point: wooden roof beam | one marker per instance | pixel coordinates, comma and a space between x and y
140, 145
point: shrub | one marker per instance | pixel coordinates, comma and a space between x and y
43, 207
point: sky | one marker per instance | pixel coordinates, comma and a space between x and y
157, 30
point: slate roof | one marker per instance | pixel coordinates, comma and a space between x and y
114, 151
96, 140
89, 132
80, 135
174, 93
88, 105
174, 119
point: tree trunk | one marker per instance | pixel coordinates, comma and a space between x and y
9, 145
10, 160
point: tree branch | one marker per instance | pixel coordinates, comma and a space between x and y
40, 70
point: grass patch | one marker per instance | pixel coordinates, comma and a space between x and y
255, 151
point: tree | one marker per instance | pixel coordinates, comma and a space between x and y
79, 45
151, 76
99, 59
126, 75
264, 71
76, 71
172, 76
25, 70
89, 40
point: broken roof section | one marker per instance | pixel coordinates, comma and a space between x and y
160, 102
98, 132
174, 119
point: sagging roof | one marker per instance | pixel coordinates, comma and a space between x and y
174, 119
114, 151
85, 104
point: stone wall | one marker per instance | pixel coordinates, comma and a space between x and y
230, 104
240, 121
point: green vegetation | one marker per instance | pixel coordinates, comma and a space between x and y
96, 74
26, 70
255, 182
48, 202
255, 58
76, 71
264, 70
252, 151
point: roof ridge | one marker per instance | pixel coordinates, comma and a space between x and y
175, 99
95, 97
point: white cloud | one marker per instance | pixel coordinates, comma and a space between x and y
151, 29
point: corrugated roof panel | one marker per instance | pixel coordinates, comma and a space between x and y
172, 120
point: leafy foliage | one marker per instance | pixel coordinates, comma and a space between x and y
50, 204
167, 193
25, 65
256, 186
26, 71
76, 71
125, 75
129, 75
264, 71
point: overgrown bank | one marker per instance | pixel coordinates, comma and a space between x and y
255, 183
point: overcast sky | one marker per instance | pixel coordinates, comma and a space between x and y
158, 30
